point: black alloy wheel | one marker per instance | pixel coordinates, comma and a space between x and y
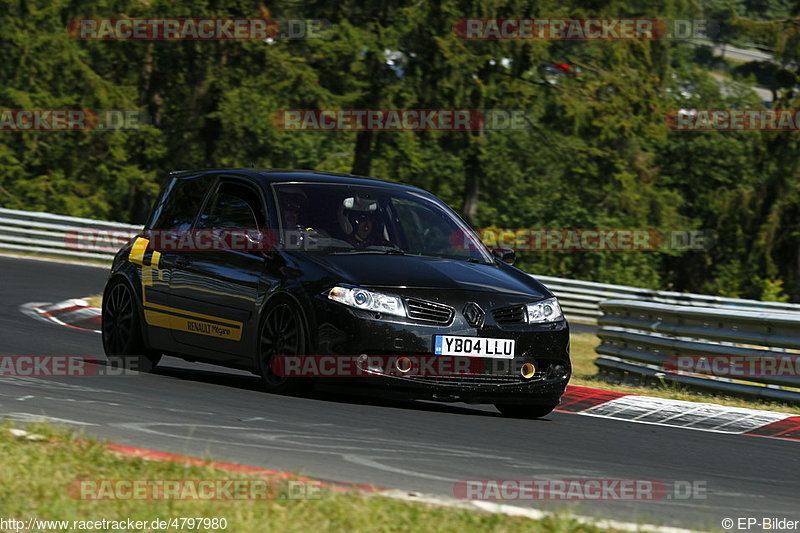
282, 335
121, 330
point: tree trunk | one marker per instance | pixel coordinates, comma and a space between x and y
473, 170
362, 159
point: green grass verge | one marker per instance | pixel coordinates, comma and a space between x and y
584, 372
95, 300
36, 475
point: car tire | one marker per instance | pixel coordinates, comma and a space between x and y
525, 411
121, 330
282, 332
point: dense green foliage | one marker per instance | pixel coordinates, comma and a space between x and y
598, 153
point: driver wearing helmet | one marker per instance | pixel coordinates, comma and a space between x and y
358, 221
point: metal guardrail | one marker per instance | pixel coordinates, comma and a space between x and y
641, 341
61, 236
581, 299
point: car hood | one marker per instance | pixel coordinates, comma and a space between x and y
410, 271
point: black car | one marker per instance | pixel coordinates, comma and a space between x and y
246, 268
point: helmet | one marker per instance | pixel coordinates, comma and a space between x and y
352, 210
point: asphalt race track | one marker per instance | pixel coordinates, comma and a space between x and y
202, 410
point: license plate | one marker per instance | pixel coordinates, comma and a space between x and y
474, 346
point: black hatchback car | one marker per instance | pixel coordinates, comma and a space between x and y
316, 278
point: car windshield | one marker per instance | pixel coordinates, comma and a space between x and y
330, 218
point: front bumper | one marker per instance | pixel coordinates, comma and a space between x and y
348, 332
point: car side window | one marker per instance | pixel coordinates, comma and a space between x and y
232, 206
179, 203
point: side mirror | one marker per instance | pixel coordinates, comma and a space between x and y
507, 255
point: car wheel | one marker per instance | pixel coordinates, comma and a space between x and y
282, 334
122, 333
525, 411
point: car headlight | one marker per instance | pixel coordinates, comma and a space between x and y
368, 300
544, 311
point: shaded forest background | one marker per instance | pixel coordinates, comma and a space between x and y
598, 153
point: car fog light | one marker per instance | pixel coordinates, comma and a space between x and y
527, 371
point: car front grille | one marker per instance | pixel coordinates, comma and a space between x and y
510, 315
429, 311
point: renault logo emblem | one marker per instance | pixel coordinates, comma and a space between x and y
474, 314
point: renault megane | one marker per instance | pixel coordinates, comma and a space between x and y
246, 268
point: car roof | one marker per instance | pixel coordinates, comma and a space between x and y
278, 175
